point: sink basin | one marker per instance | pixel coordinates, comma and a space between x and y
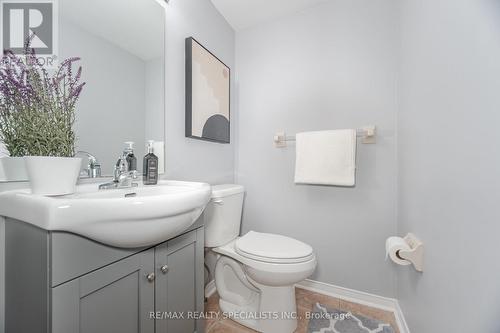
132, 217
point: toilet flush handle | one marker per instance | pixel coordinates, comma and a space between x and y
218, 201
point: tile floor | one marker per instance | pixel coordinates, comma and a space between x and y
305, 301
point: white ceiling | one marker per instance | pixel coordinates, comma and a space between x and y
243, 14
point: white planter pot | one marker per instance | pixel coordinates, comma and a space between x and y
13, 169
52, 175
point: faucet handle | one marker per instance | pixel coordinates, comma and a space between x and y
121, 167
93, 167
122, 164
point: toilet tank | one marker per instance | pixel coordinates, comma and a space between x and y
223, 214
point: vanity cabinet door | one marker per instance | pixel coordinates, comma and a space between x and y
116, 298
179, 283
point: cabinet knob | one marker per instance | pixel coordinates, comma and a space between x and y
151, 277
164, 269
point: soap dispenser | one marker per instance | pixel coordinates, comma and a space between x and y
150, 166
129, 152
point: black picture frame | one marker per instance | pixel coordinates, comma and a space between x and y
219, 129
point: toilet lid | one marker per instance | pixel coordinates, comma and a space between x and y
273, 248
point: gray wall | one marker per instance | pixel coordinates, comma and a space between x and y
330, 67
449, 163
189, 159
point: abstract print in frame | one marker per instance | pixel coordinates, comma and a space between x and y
207, 95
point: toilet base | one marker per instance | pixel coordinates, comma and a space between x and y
267, 309
241, 315
277, 312
279, 302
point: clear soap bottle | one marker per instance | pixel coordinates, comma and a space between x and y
150, 166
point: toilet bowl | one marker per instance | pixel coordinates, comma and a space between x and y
255, 274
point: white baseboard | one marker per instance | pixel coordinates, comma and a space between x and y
360, 297
400, 319
210, 289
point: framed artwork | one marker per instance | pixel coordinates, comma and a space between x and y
208, 115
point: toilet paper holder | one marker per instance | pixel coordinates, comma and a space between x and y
416, 253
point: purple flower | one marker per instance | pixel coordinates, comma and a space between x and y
32, 99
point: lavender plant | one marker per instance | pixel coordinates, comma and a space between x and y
37, 108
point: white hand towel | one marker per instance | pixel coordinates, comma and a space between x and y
326, 158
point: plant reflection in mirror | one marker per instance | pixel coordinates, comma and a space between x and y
37, 107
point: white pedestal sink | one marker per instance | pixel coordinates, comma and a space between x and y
132, 217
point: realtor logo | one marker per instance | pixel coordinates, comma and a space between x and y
37, 20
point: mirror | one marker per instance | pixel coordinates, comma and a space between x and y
121, 44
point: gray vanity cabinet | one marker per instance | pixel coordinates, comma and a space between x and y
179, 292
70, 284
116, 298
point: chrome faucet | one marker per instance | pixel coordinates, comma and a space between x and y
93, 167
122, 178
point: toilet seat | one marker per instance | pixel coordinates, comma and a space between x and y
272, 248
278, 267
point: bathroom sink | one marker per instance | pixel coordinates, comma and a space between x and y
131, 217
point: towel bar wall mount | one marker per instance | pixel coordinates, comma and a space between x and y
366, 133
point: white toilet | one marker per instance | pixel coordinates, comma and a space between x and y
255, 273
